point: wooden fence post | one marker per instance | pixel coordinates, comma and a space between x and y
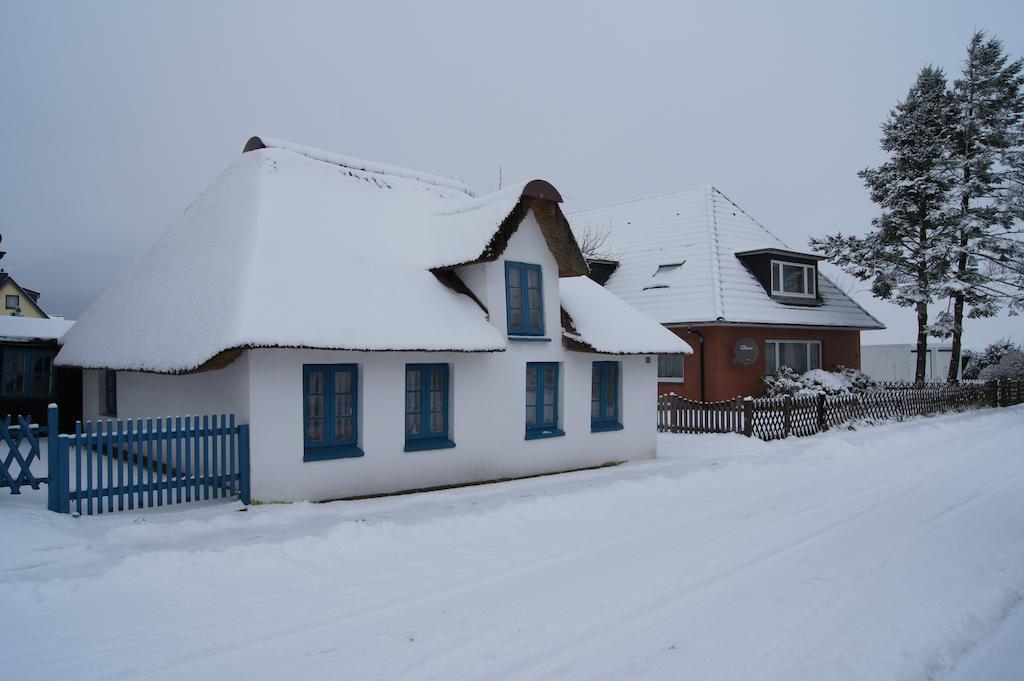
244, 476
53, 459
787, 414
748, 416
822, 421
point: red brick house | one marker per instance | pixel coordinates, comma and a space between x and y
747, 304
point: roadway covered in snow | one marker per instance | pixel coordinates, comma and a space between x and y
891, 552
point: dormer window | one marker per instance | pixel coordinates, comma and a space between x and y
524, 300
793, 279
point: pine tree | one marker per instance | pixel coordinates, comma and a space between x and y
988, 151
906, 253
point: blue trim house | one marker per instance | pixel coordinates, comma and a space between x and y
440, 338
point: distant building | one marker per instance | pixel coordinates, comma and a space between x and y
696, 262
18, 300
898, 362
28, 379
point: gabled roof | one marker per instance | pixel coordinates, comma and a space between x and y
296, 247
31, 296
701, 230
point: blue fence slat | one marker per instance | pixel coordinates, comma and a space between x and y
78, 466
177, 461
223, 455
232, 435
88, 466
243, 464
206, 454
150, 462
119, 443
214, 456
110, 466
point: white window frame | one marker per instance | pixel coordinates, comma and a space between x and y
772, 345
810, 280
673, 379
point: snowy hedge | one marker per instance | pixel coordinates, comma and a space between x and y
817, 381
1011, 366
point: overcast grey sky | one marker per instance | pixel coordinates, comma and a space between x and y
115, 115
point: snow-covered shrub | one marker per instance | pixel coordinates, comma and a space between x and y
842, 382
1011, 367
977, 361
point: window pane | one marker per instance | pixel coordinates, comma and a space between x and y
315, 406
315, 430
810, 280
41, 367
532, 278
437, 379
436, 422
412, 379
815, 351
533, 298
316, 383
412, 424
549, 414
531, 414
549, 391
342, 429
516, 315
534, 318
515, 277
775, 277
792, 279
413, 401
342, 405
611, 391
436, 400
14, 372
670, 366
595, 383
770, 365
794, 356
342, 382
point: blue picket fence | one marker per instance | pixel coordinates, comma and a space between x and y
126, 464
15, 465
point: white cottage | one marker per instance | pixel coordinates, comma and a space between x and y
379, 329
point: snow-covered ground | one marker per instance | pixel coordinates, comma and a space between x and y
892, 552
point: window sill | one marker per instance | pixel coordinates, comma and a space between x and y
535, 339
605, 427
428, 443
542, 433
331, 452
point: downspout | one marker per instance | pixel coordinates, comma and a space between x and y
700, 336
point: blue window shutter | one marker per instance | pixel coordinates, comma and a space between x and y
524, 299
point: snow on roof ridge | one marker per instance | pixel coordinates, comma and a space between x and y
360, 164
711, 208
749, 216
476, 202
646, 197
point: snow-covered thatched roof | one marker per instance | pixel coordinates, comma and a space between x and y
677, 263
296, 247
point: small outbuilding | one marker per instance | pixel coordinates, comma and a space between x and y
379, 329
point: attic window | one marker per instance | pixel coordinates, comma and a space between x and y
662, 275
793, 279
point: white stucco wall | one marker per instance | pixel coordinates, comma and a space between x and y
141, 395
898, 362
486, 404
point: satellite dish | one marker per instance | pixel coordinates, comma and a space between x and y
746, 352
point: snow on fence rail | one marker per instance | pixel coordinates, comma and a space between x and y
119, 465
772, 418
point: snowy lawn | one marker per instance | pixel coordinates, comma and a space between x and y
892, 552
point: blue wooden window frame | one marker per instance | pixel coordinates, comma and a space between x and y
604, 397
540, 376
30, 382
524, 299
332, 383
426, 407
109, 393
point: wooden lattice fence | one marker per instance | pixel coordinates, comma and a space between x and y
772, 418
